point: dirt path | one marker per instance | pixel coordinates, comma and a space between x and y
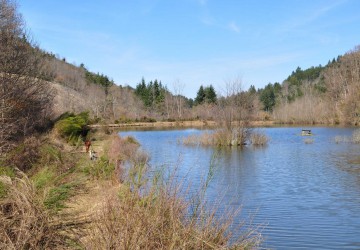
83, 207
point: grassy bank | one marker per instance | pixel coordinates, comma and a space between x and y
60, 199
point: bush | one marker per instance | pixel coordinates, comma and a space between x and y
73, 125
258, 139
219, 138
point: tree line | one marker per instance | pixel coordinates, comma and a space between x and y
152, 94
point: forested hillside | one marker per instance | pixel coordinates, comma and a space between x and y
323, 94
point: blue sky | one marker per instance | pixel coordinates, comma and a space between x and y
195, 42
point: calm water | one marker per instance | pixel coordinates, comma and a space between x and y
307, 196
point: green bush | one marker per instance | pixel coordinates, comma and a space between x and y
73, 126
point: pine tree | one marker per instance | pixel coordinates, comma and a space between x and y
210, 95
200, 97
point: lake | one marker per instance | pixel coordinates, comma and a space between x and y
305, 195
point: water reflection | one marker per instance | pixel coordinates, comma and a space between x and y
308, 195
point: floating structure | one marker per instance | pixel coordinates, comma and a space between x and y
306, 132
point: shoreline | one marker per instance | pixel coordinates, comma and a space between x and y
209, 124
166, 124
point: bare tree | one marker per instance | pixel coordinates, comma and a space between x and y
178, 92
24, 99
342, 82
234, 103
235, 106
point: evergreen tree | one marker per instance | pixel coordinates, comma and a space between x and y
200, 96
152, 94
267, 97
252, 90
206, 94
210, 95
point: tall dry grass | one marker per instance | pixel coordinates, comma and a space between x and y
147, 212
221, 137
259, 138
24, 221
159, 219
150, 213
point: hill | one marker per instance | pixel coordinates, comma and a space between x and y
322, 94
318, 95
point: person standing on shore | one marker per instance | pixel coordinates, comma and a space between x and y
87, 145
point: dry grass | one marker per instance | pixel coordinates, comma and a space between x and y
145, 213
24, 221
204, 139
156, 218
149, 213
258, 138
220, 137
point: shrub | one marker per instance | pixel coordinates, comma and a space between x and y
73, 125
258, 139
219, 138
